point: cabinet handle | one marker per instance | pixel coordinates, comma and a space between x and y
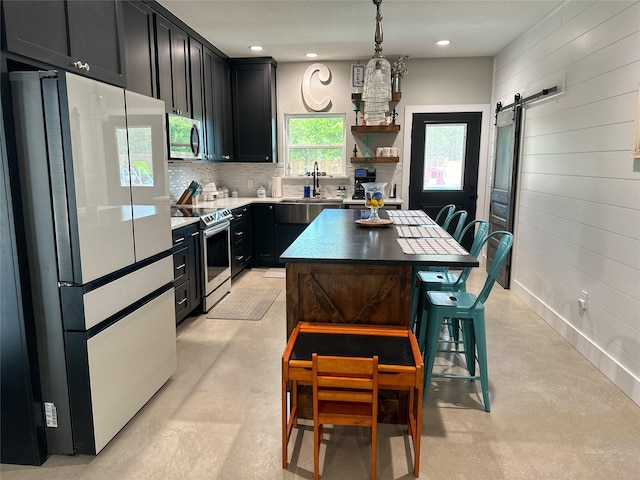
238, 234
180, 267
195, 234
182, 301
240, 257
267, 157
178, 240
226, 157
81, 66
238, 215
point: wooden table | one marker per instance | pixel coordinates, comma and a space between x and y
400, 366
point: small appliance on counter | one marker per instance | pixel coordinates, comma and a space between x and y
362, 175
209, 192
261, 192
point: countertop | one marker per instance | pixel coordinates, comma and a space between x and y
334, 237
235, 202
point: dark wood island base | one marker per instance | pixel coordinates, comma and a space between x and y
362, 294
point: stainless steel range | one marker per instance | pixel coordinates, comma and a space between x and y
216, 251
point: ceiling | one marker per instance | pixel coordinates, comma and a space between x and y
344, 29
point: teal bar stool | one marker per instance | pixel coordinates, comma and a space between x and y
444, 215
469, 309
461, 219
426, 280
458, 235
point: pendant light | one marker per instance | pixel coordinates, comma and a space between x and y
376, 93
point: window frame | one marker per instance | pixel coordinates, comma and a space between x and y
288, 147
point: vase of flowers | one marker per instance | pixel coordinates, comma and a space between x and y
398, 70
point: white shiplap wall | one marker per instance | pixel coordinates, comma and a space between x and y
578, 211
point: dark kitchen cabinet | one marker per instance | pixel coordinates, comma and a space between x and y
253, 91
196, 76
139, 48
217, 126
187, 273
83, 37
263, 234
240, 239
174, 83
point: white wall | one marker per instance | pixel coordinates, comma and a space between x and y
578, 211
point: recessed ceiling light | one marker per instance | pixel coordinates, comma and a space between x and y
443, 42
311, 55
256, 48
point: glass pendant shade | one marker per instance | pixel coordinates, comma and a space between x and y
376, 94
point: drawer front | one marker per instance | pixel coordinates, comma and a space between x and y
180, 266
182, 300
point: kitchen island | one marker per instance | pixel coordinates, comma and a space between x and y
341, 272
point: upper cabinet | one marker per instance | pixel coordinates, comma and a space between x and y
196, 52
173, 67
140, 48
217, 126
253, 89
82, 37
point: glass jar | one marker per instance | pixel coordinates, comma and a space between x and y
374, 195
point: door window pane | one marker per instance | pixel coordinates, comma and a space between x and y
504, 154
444, 152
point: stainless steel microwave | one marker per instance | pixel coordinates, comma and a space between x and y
185, 138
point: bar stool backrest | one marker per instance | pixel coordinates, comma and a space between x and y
462, 217
504, 245
476, 246
445, 213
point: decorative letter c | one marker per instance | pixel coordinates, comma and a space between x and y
325, 77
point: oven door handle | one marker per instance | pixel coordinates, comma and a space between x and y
221, 227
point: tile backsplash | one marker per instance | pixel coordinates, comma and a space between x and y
237, 176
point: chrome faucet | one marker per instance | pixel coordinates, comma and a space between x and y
316, 180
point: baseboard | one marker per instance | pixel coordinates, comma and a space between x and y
609, 367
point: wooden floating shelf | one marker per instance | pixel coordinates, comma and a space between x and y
375, 128
375, 159
395, 97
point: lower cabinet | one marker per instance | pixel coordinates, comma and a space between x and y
240, 240
264, 249
187, 271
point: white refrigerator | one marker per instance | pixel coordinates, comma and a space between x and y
94, 197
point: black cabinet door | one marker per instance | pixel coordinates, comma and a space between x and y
82, 37
223, 109
140, 48
254, 110
263, 235
172, 46
196, 74
218, 127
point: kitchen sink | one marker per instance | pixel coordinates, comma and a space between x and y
329, 201
303, 211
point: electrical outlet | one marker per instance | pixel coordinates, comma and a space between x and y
249, 183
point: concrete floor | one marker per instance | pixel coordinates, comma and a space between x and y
554, 416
